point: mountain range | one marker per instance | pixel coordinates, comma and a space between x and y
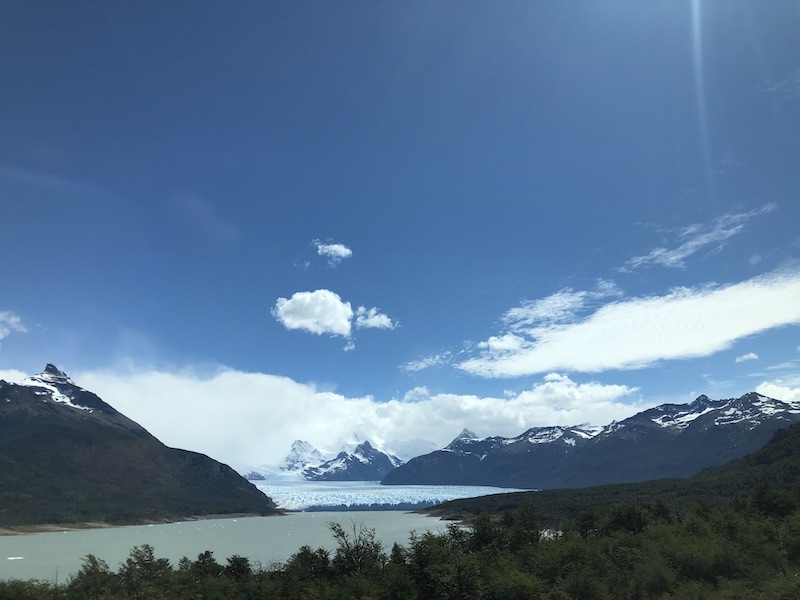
671, 440
66, 456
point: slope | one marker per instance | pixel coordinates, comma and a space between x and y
68, 457
776, 466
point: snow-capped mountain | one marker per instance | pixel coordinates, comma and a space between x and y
68, 456
302, 455
364, 463
357, 459
671, 440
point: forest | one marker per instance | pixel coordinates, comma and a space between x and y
747, 549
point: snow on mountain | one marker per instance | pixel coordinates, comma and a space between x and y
302, 455
364, 463
671, 440
55, 385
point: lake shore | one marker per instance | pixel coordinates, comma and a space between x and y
10, 530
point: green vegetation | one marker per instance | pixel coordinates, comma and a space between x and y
750, 550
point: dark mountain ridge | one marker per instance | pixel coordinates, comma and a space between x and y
774, 467
66, 456
671, 440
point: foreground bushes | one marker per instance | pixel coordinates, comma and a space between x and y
747, 551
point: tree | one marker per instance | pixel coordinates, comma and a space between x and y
358, 551
93, 581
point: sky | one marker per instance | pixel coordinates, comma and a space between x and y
246, 223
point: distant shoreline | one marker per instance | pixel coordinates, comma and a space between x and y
10, 530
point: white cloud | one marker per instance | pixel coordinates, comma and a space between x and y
563, 306
12, 375
637, 332
320, 311
748, 356
426, 362
252, 418
10, 323
324, 312
781, 390
698, 237
335, 253
371, 318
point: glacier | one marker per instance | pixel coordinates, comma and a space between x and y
301, 495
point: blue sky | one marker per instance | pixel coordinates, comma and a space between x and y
414, 216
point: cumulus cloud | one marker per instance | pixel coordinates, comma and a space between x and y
252, 418
373, 319
637, 332
324, 312
10, 323
320, 311
335, 253
746, 357
697, 237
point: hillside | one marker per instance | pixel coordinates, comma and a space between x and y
776, 466
66, 456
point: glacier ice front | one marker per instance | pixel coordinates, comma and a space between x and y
365, 495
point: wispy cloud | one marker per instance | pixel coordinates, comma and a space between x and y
324, 312
787, 88
52, 182
698, 237
746, 357
638, 332
204, 216
443, 358
222, 414
334, 253
10, 323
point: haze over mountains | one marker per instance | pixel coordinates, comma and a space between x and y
66, 456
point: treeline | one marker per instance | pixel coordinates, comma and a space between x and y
747, 550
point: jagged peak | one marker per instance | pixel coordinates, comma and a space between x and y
466, 434
365, 445
53, 374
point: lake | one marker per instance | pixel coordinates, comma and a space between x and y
53, 556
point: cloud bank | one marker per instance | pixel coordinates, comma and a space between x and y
252, 418
636, 332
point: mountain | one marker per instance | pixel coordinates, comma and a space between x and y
497, 461
365, 463
774, 467
66, 456
671, 440
302, 455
